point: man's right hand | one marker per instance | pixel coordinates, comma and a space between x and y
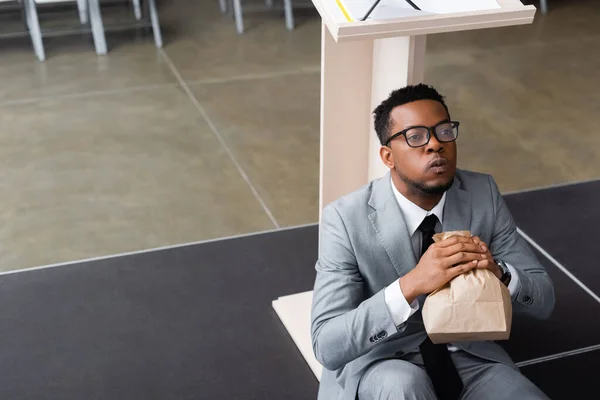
441, 263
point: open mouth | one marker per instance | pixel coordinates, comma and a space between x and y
438, 166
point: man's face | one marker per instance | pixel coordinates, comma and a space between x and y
414, 165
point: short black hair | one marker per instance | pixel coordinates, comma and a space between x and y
398, 97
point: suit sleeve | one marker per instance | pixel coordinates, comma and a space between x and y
535, 295
345, 325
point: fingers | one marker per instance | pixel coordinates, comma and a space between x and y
468, 247
453, 240
480, 242
461, 268
483, 264
460, 239
462, 258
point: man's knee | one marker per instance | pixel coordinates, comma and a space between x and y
501, 382
395, 379
521, 386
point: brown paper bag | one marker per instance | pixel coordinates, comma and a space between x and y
474, 306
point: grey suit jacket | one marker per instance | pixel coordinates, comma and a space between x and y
364, 246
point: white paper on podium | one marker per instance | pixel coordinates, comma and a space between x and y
455, 6
355, 10
386, 9
294, 312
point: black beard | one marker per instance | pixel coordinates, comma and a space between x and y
422, 187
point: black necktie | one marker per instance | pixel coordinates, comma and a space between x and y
436, 357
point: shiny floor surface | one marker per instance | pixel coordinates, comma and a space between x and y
196, 322
217, 134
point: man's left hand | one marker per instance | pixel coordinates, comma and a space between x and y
487, 261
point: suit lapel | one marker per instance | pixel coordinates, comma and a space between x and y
457, 210
390, 226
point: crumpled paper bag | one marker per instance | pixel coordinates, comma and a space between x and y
474, 306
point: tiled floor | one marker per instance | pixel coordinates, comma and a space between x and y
218, 134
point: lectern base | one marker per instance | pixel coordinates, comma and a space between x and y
294, 312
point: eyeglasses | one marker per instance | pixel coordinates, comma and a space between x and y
418, 136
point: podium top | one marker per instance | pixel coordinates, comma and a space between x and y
337, 17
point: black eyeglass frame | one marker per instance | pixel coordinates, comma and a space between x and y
430, 130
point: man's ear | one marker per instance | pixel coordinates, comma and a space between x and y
386, 156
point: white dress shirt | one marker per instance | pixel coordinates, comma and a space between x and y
413, 215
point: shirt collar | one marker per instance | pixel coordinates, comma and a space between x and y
413, 214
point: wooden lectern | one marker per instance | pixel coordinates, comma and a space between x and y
361, 63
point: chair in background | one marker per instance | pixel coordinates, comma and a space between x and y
137, 9
90, 10
83, 10
155, 23
93, 6
82, 5
154, 20
33, 26
239, 15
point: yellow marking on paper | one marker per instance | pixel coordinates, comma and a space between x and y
339, 3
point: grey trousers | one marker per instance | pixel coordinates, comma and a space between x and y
406, 379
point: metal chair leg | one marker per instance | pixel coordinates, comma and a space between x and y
155, 23
289, 14
97, 27
137, 9
223, 6
83, 12
239, 18
34, 29
544, 6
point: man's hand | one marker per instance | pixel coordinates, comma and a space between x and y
488, 262
442, 262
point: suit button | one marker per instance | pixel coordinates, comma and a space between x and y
371, 339
381, 335
527, 300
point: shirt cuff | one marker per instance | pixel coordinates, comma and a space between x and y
514, 286
396, 303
